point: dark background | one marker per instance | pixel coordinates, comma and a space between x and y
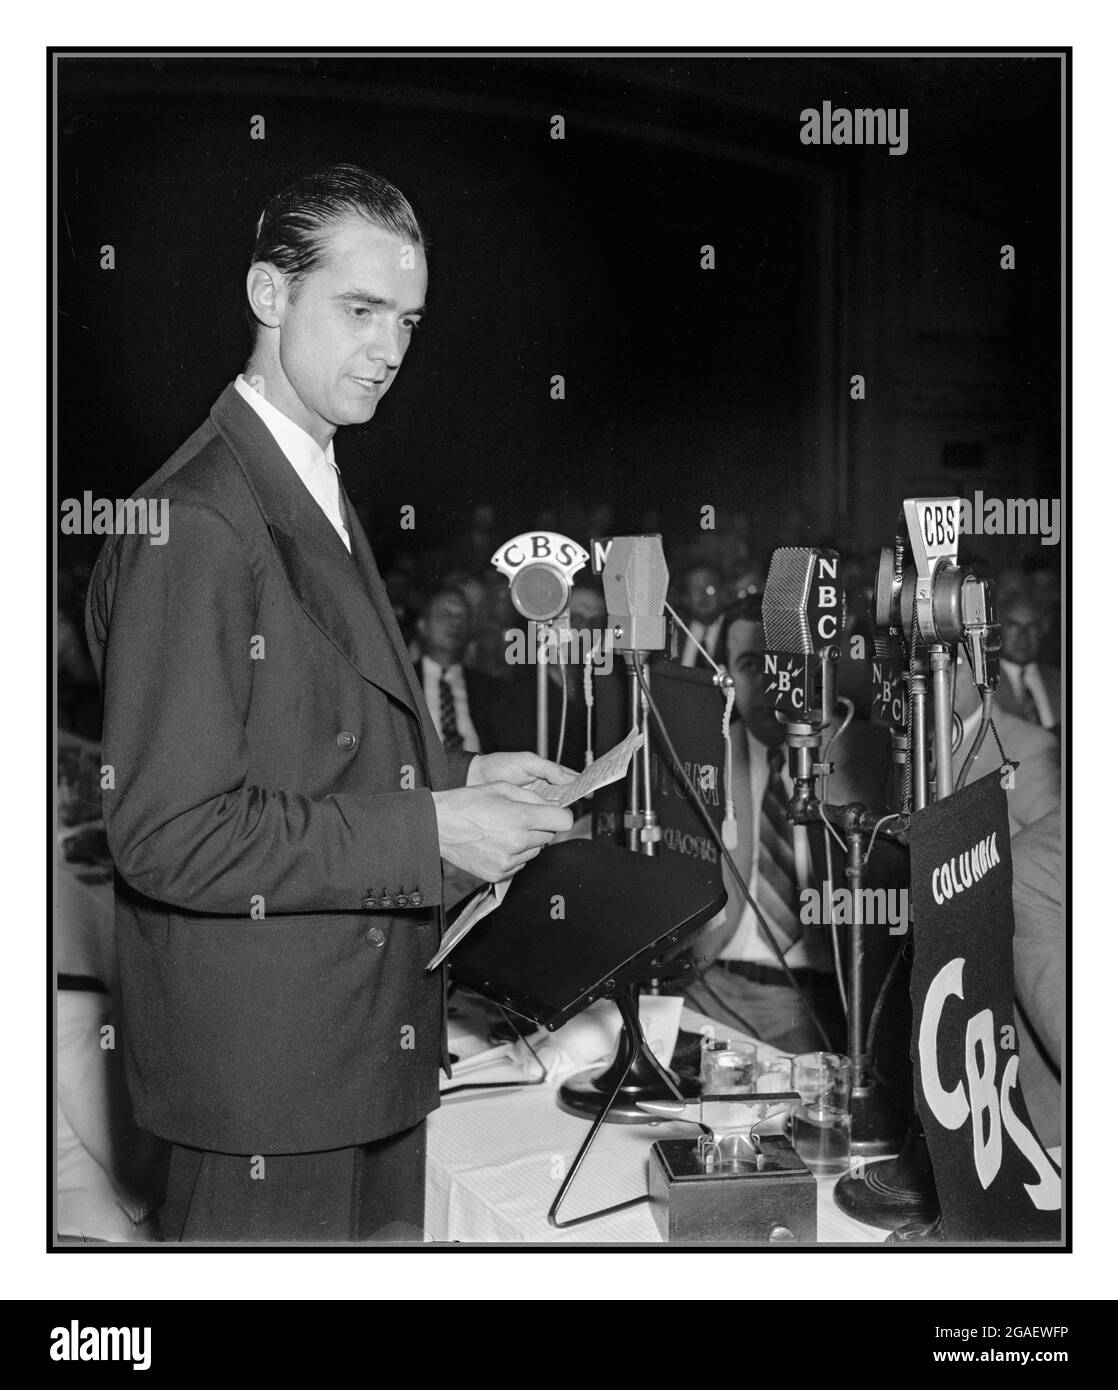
684, 387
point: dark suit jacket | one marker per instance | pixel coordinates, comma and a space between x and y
279, 881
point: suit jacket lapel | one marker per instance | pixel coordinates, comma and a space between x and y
330, 588
366, 567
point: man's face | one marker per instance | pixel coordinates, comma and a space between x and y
1021, 633
745, 647
446, 628
344, 329
701, 594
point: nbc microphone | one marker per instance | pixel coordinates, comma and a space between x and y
803, 612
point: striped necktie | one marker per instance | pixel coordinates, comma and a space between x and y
448, 722
777, 893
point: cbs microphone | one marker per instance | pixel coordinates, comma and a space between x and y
540, 567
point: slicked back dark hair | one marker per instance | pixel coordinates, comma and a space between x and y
293, 228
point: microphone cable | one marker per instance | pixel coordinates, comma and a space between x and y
987, 725
690, 636
563, 711
704, 815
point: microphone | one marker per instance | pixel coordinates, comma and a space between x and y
803, 612
540, 567
802, 606
635, 584
922, 583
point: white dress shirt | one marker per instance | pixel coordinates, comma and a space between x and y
316, 469
457, 682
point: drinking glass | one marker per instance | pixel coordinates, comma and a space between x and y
821, 1118
727, 1064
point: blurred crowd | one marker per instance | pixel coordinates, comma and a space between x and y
454, 608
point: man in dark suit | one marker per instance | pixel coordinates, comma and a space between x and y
700, 598
280, 803
1029, 689
459, 700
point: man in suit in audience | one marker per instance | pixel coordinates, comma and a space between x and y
1029, 689
459, 700
743, 981
700, 598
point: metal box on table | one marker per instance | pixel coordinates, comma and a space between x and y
773, 1204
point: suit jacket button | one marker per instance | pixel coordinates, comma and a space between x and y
402, 900
384, 902
369, 903
417, 900
374, 937
346, 740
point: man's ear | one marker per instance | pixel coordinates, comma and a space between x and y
267, 291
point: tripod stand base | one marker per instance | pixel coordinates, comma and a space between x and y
635, 1074
877, 1125
897, 1192
585, 1092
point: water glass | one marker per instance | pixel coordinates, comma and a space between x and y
727, 1064
821, 1118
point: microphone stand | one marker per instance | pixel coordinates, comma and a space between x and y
875, 1123
613, 1096
901, 1192
549, 639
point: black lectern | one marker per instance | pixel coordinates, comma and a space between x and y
585, 921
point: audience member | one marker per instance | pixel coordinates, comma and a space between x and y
1029, 688
460, 700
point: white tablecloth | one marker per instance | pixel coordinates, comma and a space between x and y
495, 1161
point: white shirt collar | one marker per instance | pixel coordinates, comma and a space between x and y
295, 442
316, 467
431, 665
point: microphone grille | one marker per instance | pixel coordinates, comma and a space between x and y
784, 607
635, 577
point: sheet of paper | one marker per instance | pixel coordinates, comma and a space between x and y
484, 901
610, 767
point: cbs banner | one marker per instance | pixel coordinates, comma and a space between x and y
995, 1181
